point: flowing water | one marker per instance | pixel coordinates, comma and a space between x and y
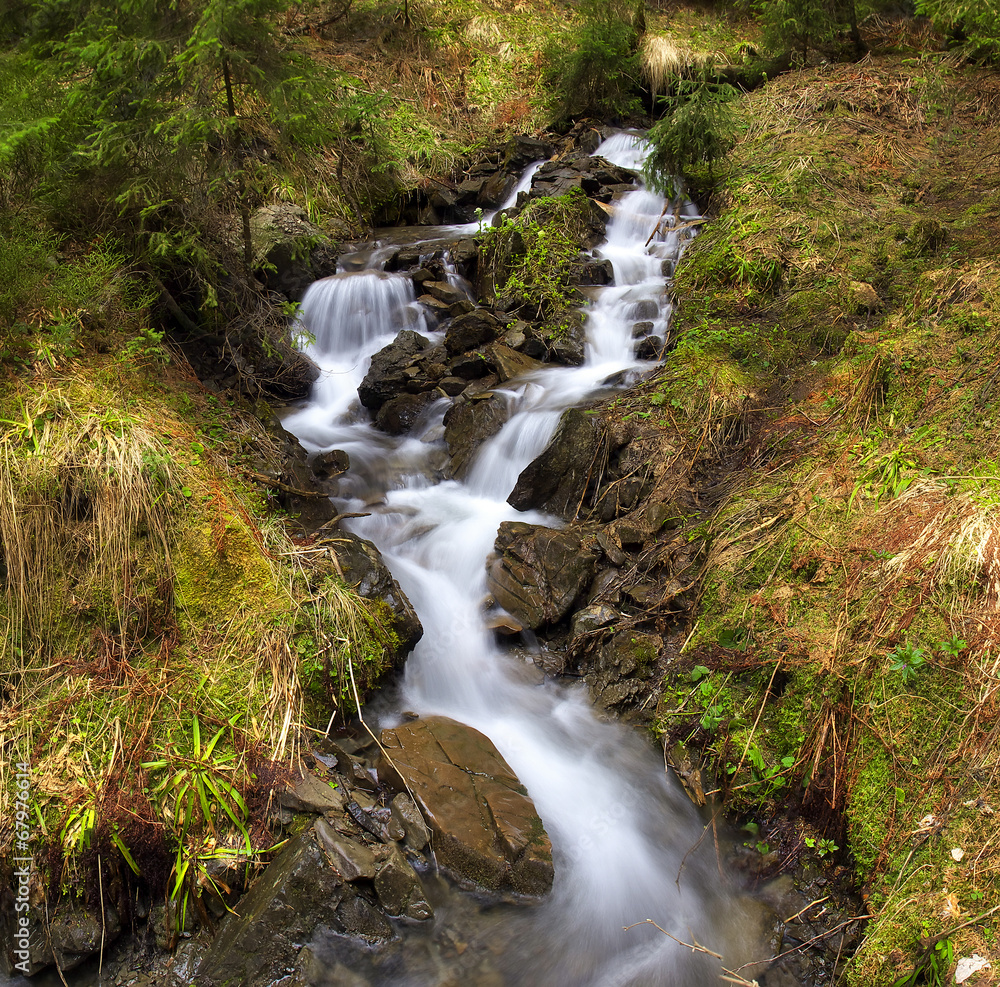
621, 829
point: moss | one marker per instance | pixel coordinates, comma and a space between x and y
221, 571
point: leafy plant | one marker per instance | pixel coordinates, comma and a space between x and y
954, 646
907, 660
972, 23
197, 794
823, 847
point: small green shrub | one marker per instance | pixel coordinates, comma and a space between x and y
697, 129
597, 76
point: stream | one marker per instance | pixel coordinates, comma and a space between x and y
627, 843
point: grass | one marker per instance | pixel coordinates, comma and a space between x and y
157, 618
847, 616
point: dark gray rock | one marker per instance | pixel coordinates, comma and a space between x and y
289, 252
405, 811
386, 376
399, 889
399, 414
556, 481
468, 424
472, 330
259, 942
351, 860
312, 794
364, 569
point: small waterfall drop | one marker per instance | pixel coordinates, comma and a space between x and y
624, 836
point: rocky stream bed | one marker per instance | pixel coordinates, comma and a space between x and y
434, 849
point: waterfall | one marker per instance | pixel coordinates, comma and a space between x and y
623, 833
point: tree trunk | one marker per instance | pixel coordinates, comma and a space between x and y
240, 180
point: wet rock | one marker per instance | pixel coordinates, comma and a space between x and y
312, 794
364, 569
486, 829
386, 376
467, 425
472, 330
360, 918
642, 329
257, 944
651, 348
331, 463
556, 481
508, 363
399, 414
399, 889
405, 811
351, 860
314, 971
599, 272
539, 573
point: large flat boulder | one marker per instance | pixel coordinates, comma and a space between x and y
484, 827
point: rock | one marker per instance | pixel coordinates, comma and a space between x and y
400, 414
315, 971
405, 811
257, 944
598, 272
642, 329
621, 672
593, 618
312, 794
485, 828
556, 481
539, 572
386, 378
444, 292
364, 569
331, 463
452, 386
359, 918
399, 889
598, 178
77, 933
471, 367
619, 497
289, 252
467, 425
351, 860
862, 299
472, 330
508, 363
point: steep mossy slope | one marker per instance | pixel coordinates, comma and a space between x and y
836, 353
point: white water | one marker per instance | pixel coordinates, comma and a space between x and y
620, 829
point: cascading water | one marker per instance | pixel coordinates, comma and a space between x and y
622, 833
